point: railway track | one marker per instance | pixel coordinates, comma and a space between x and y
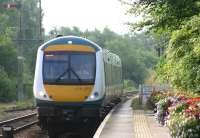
12, 126
20, 109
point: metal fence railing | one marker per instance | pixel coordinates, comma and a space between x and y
146, 90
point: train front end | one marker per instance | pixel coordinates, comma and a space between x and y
68, 84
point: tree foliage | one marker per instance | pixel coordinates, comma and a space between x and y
9, 27
179, 20
164, 15
183, 57
6, 86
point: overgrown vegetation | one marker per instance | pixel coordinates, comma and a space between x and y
9, 47
129, 85
135, 104
177, 24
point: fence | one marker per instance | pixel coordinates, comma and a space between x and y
146, 90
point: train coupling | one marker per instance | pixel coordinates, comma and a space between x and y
68, 115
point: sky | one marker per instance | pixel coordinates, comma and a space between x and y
85, 14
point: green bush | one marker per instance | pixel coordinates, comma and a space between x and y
181, 65
129, 85
7, 87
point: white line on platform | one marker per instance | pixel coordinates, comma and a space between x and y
100, 128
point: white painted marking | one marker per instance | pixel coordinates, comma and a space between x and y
100, 128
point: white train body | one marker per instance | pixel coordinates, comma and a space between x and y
75, 78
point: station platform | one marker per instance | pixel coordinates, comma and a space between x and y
123, 122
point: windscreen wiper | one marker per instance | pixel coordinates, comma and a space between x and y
75, 74
67, 70
61, 75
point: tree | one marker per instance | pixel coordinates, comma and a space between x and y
8, 57
6, 87
179, 22
163, 15
9, 27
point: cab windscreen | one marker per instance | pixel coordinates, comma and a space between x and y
69, 67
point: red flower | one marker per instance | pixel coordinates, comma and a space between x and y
187, 111
182, 98
193, 100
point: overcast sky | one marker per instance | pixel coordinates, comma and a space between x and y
85, 14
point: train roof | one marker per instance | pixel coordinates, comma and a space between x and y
111, 58
71, 40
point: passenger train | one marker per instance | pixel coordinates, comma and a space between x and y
75, 79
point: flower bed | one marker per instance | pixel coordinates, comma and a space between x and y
181, 114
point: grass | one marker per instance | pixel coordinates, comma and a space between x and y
136, 105
14, 105
24, 104
2, 114
17, 105
130, 89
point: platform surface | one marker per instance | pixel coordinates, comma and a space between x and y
120, 124
126, 123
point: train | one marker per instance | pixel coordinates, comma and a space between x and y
75, 79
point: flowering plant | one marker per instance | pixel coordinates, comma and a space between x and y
162, 110
184, 121
164, 106
156, 96
182, 126
179, 113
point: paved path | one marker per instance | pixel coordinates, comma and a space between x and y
120, 124
126, 123
145, 126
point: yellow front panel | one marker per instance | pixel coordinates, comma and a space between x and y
69, 93
76, 48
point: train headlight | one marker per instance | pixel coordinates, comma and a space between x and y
94, 95
42, 94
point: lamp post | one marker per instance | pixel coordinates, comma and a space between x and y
20, 58
40, 22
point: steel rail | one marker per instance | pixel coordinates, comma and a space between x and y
17, 118
25, 126
20, 109
11, 131
20, 128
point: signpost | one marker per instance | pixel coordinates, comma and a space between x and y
146, 90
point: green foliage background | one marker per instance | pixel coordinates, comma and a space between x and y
9, 27
178, 21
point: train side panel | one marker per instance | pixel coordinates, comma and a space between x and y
113, 76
